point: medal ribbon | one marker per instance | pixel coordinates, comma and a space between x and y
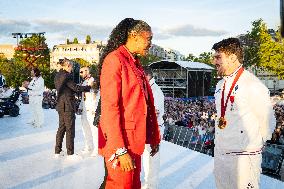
224, 106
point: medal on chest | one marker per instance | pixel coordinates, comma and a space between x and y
222, 122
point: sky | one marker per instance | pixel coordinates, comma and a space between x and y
188, 26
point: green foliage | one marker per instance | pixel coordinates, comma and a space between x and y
68, 41
264, 51
148, 59
32, 53
205, 57
82, 62
75, 41
88, 39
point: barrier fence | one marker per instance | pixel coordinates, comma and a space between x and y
272, 156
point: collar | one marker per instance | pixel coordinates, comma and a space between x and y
152, 81
234, 73
123, 49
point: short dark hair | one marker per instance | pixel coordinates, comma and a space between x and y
36, 72
64, 61
230, 46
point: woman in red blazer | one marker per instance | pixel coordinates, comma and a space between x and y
128, 118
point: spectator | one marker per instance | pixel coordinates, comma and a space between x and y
2, 80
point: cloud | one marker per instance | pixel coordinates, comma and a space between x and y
7, 27
57, 31
72, 28
191, 31
54, 27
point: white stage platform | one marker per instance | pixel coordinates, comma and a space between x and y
26, 160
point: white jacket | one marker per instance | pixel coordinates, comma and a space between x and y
88, 98
158, 100
250, 117
36, 86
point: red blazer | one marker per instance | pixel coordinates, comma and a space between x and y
124, 108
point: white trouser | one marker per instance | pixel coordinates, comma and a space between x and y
36, 109
237, 172
90, 132
151, 166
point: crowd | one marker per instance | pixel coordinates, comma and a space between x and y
199, 116
278, 134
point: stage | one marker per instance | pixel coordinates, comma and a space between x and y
26, 160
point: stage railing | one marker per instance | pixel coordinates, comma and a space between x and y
272, 156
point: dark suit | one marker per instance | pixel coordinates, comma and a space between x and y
66, 89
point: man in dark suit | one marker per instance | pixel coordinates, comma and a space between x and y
66, 107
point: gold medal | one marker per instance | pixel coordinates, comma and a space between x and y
222, 123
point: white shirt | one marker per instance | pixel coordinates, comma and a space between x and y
88, 98
158, 100
250, 117
36, 86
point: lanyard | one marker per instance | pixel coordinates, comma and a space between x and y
224, 106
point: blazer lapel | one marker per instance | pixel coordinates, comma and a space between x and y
134, 68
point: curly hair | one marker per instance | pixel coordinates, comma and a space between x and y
230, 46
119, 36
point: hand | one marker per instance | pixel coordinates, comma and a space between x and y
155, 149
126, 162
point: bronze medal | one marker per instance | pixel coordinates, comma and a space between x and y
222, 123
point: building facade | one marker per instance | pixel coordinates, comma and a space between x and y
165, 53
89, 52
7, 51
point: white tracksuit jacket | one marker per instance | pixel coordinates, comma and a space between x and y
88, 105
250, 122
36, 87
151, 165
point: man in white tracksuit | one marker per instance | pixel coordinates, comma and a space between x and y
88, 106
35, 90
151, 164
245, 120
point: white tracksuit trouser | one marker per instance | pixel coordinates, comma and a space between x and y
90, 132
37, 111
237, 172
151, 166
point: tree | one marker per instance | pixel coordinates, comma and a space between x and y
251, 44
75, 41
149, 58
82, 62
262, 50
190, 57
205, 57
68, 41
88, 39
31, 53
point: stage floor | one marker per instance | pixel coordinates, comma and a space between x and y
26, 160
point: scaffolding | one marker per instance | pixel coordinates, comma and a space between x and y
182, 79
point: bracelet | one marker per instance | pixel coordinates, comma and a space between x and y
120, 151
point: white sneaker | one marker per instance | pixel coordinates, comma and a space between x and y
74, 157
57, 156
